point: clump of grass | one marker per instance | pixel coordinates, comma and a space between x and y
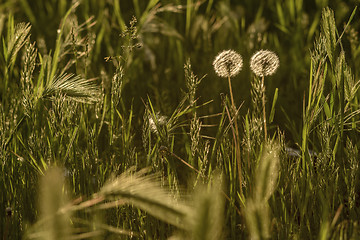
257, 210
144, 192
199, 218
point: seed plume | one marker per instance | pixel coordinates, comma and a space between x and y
264, 63
156, 121
228, 63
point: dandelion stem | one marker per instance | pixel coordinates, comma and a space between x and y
231, 95
263, 103
236, 140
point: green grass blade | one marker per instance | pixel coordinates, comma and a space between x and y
272, 112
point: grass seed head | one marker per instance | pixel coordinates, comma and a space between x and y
228, 63
264, 63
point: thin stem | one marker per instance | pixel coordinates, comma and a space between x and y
14, 131
263, 105
342, 111
231, 95
236, 140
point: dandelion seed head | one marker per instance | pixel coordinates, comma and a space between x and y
161, 120
264, 63
228, 63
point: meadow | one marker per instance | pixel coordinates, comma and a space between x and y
194, 119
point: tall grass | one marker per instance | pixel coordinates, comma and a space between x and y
113, 123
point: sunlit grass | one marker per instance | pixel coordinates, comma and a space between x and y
113, 123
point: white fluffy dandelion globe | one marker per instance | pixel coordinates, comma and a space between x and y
264, 63
228, 63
